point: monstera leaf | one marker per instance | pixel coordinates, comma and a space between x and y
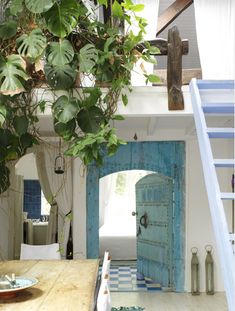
16, 6
60, 53
8, 30
60, 77
12, 72
5, 178
90, 119
39, 6
62, 18
20, 124
31, 45
87, 57
65, 109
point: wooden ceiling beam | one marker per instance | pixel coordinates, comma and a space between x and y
170, 14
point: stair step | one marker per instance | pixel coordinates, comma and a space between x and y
224, 162
215, 84
221, 132
223, 108
227, 195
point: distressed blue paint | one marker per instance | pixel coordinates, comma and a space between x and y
166, 158
154, 197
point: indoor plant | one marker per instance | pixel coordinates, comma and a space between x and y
55, 43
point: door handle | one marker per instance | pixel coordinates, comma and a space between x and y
134, 214
139, 231
144, 220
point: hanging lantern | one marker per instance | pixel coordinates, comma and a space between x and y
194, 272
59, 162
209, 265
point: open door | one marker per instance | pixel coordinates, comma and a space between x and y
154, 213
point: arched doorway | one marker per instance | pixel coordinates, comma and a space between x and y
167, 158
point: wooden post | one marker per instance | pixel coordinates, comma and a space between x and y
174, 70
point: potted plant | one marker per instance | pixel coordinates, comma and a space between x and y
57, 43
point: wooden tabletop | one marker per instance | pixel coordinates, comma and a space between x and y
66, 285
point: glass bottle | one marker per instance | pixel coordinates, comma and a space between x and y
69, 248
194, 272
209, 268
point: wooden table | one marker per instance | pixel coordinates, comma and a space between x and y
66, 285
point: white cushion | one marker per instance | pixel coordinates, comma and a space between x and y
50, 251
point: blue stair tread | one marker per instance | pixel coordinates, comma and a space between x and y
221, 132
227, 196
221, 108
215, 84
224, 162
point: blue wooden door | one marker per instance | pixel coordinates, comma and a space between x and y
154, 208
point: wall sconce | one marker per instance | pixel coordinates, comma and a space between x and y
59, 162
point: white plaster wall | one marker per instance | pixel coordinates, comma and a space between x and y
199, 231
26, 167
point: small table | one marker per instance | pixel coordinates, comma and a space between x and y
66, 285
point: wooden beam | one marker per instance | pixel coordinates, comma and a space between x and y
174, 70
170, 14
162, 45
187, 75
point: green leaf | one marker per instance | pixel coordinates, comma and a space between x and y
60, 53
3, 154
39, 6
117, 9
42, 105
62, 18
90, 119
60, 77
8, 30
4, 178
31, 45
3, 114
88, 56
103, 2
153, 78
5, 137
12, 154
12, 72
124, 99
65, 109
20, 124
94, 96
16, 6
118, 117
137, 7
27, 140
65, 130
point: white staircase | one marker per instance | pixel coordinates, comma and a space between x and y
216, 98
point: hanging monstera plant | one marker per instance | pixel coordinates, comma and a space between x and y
50, 43
12, 75
31, 45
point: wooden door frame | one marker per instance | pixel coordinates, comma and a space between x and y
164, 157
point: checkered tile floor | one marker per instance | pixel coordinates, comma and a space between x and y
124, 278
